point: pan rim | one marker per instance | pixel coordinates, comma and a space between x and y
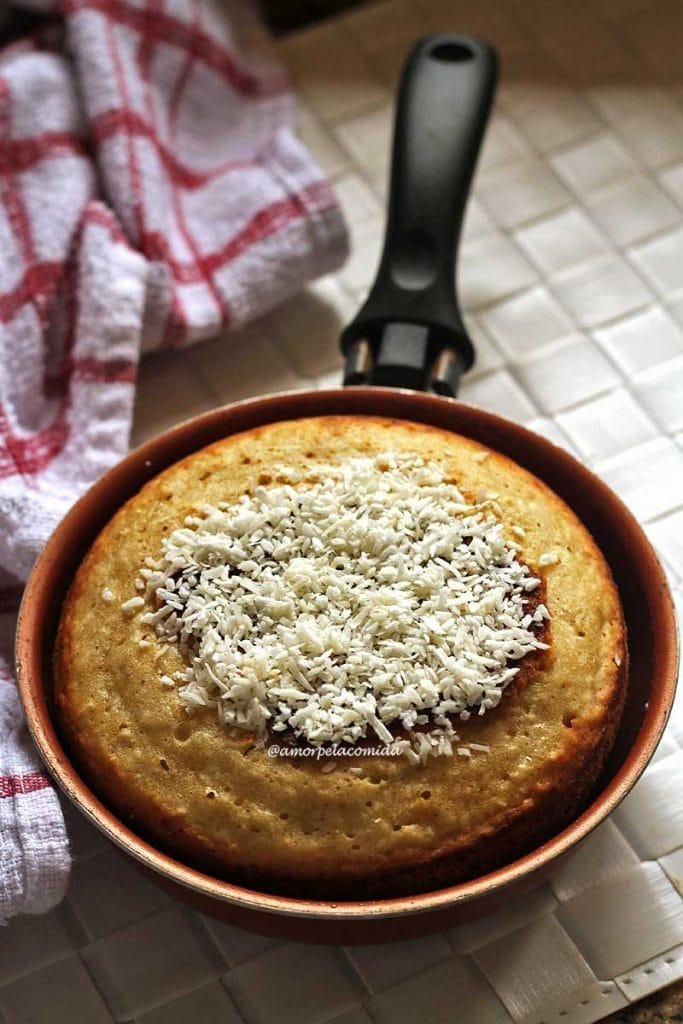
149, 459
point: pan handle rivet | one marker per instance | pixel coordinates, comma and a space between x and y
446, 372
359, 361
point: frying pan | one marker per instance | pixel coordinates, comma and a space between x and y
405, 353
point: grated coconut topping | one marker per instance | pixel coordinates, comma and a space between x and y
361, 596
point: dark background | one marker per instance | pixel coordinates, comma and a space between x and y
284, 15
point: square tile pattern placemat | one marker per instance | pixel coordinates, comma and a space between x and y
572, 277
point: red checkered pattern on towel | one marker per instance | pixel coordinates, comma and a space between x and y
152, 193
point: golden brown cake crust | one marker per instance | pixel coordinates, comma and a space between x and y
283, 825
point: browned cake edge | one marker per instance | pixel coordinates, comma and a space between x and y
509, 836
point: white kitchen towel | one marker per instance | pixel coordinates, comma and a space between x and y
152, 193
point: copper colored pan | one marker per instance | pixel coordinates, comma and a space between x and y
407, 336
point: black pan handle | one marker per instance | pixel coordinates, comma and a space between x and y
410, 333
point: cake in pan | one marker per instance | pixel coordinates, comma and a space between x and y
343, 657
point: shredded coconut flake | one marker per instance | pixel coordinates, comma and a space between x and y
365, 595
107, 595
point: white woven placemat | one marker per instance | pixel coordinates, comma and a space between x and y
572, 276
